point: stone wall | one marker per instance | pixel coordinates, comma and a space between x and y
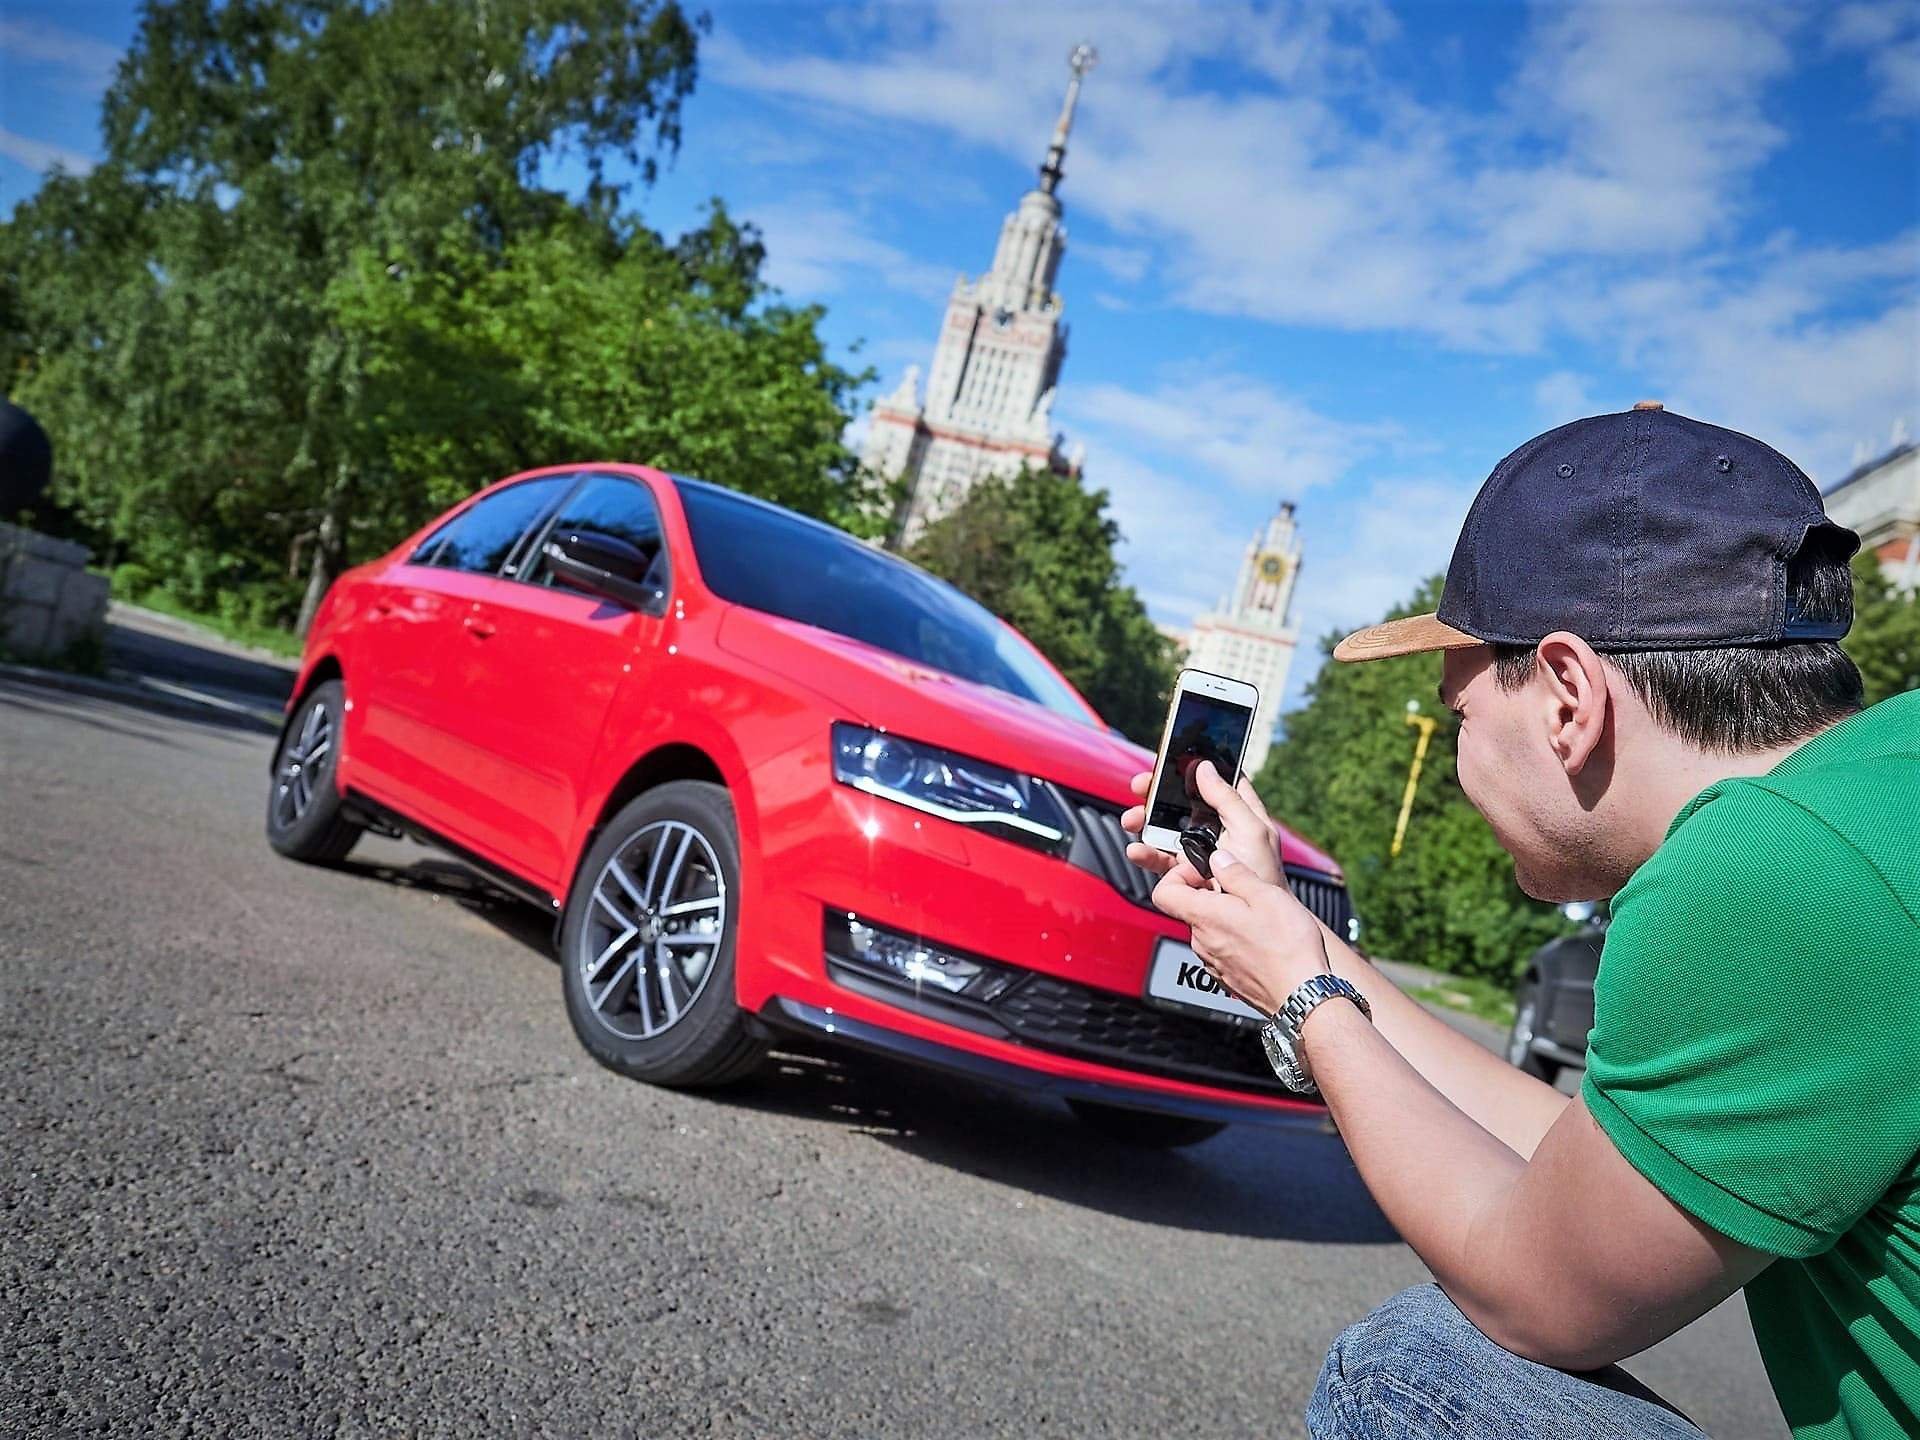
48, 601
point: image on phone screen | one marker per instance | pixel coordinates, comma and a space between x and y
1204, 728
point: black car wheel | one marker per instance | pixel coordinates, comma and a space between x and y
1147, 1129
647, 945
304, 812
1528, 1012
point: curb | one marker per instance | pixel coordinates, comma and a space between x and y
149, 694
201, 635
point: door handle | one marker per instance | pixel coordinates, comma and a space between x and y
478, 626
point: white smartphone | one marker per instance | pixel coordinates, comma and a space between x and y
1209, 719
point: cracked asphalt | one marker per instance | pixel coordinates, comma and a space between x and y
313, 1152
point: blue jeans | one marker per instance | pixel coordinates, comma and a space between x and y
1417, 1368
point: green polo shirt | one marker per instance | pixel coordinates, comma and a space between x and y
1756, 1055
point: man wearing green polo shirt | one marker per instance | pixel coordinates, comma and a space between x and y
1638, 633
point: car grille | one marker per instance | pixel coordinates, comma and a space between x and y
1100, 845
1099, 1025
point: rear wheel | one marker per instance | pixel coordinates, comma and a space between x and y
1526, 1022
1147, 1129
305, 820
647, 946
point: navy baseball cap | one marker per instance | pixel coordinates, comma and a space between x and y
1638, 531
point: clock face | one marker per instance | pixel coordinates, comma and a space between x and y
1272, 566
1003, 317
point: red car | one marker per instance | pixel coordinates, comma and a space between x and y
767, 779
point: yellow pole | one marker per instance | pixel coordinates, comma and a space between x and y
1426, 724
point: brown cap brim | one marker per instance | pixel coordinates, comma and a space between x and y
1411, 636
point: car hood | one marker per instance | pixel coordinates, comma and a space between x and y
876, 687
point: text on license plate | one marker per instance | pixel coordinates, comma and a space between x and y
1178, 975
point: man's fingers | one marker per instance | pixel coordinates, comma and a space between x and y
1140, 782
1247, 793
1148, 858
1175, 896
1134, 820
1226, 801
1234, 877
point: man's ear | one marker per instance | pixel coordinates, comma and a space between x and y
1575, 701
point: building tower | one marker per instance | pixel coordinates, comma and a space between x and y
988, 408
1249, 636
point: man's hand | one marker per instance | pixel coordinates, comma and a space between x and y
1253, 935
1244, 826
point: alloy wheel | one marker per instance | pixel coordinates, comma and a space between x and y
304, 758
653, 930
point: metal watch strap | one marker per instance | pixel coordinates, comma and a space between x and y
1287, 1020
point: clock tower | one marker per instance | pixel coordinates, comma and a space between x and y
988, 406
1250, 635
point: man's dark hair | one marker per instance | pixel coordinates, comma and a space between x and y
1739, 699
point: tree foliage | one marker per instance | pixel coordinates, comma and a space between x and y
317, 289
1885, 639
1037, 550
1449, 899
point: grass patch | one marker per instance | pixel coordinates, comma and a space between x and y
270, 638
1472, 996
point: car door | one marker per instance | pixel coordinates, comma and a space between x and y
534, 673
404, 724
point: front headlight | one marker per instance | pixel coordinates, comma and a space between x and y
938, 782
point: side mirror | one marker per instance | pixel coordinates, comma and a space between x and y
605, 565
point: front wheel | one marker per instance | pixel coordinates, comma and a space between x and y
305, 819
647, 945
1145, 1129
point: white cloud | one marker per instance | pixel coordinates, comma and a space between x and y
86, 63
1562, 396
1126, 263
41, 156
1216, 427
1888, 36
816, 248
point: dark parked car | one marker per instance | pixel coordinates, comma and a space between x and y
1553, 1009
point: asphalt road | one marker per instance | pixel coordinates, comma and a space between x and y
298, 1151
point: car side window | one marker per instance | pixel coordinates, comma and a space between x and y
611, 505
481, 537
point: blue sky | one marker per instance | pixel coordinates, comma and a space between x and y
1346, 256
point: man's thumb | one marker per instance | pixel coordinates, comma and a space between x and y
1234, 877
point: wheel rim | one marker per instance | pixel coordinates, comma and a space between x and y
1521, 1043
655, 923
302, 764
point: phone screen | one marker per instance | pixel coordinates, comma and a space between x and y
1204, 728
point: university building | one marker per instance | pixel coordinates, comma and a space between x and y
988, 406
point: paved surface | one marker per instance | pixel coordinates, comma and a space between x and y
297, 1151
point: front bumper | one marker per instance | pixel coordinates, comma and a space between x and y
1078, 1020
796, 1017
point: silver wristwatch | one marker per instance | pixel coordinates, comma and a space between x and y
1281, 1033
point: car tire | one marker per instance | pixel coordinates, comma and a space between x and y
306, 817
647, 944
1528, 1008
1144, 1129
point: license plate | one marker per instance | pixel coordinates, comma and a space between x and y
1179, 978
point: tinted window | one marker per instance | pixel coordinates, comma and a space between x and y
771, 560
623, 509
480, 538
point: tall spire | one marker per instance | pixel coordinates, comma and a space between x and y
1052, 169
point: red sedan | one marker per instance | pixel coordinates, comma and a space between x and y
767, 779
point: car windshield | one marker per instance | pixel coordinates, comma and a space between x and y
769, 559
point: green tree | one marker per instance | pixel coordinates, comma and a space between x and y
1885, 639
1449, 899
316, 290
1036, 548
